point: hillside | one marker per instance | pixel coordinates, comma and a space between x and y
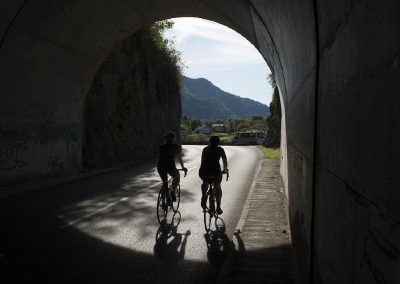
203, 100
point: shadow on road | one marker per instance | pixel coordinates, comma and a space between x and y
170, 245
62, 234
218, 245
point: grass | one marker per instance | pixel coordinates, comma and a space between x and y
274, 153
225, 137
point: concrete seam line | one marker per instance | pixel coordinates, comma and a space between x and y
315, 152
224, 272
11, 23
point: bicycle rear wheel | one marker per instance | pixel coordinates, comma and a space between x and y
161, 212
207, 219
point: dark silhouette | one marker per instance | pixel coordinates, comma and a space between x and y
170, 245
218, 245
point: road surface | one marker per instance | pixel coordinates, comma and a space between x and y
104, 228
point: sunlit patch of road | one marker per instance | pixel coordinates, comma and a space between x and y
126, 216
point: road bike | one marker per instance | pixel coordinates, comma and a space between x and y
165, 201
212, 221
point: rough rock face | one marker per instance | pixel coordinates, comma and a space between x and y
134, 99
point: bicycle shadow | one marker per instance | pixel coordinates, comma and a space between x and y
171, 245
218, 245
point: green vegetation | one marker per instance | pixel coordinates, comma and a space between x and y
271, 125
225, 137
189, 134
273, 153
274, 119
165, 46
134, 91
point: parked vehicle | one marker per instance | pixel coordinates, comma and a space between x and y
249, 138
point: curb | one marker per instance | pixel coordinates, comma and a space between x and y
231, 255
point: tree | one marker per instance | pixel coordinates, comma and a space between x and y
274, 119
195, 123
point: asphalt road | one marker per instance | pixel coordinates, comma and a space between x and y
104, 228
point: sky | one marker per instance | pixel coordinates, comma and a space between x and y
222, 56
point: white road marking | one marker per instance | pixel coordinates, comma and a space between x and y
71, 223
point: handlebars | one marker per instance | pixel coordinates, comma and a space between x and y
227, 174
185, 170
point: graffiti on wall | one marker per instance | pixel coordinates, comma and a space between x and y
19, 142
13, 147
55, 162
70, 136
10, 156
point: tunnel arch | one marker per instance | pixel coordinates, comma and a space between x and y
329, 70
69, 40
77, 37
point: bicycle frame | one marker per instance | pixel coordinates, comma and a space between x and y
165, 192
210, 212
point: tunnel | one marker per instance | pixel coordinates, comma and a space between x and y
336, 65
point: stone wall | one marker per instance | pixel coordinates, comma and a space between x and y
133, 101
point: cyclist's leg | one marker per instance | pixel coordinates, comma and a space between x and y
218, 193
164, 178
204, 187
176, 178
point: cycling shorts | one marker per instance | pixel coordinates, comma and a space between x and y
216, 175
164, 172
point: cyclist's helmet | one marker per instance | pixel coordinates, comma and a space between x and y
170, 136
214, 140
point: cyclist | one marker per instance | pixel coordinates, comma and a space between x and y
210, 167
166, 164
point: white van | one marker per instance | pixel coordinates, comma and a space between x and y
249, 138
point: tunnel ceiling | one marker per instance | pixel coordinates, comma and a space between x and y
68, 40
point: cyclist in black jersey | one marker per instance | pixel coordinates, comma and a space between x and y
169, 151
210, 167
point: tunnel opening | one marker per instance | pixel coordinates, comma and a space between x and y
136, 97
134, 104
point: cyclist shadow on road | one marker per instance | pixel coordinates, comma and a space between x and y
218, 245
171, 245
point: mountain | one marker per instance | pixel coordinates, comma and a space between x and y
202, 100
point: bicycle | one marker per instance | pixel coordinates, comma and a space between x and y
165, 206
209, 210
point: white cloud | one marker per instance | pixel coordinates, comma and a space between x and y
223, 56
205, 42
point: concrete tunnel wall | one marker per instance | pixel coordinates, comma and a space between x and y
339, 94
